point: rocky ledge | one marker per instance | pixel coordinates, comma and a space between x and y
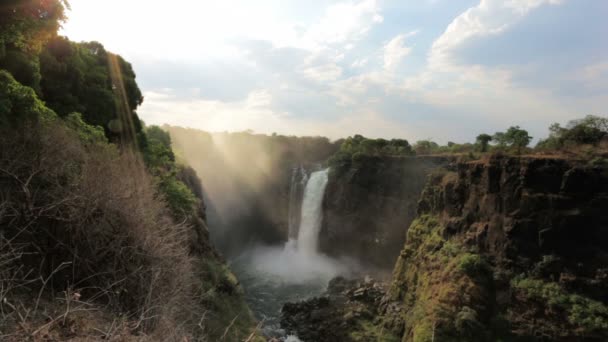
348, 312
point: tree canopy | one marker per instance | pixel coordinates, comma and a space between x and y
515, 137
77, 77
589, 130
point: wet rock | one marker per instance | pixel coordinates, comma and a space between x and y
337, 316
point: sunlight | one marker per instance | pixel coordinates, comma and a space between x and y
186, 29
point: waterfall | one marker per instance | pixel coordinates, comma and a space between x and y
299, 178
312, 212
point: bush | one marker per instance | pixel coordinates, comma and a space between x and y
583, 313
473, 265
78, 216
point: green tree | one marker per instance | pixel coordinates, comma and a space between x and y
518, 138
25, 27
514, 138
76, 77
19, 103
425, 147
483, 141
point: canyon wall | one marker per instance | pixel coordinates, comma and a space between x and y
509, 248
369, 205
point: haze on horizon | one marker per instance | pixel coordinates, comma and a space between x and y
446, 70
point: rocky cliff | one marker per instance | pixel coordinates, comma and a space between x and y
510, 248
369, 205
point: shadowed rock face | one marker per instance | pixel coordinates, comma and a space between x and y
369, 206
346, 313
510, 247
519, 209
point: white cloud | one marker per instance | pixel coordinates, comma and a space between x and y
395, 50
323, 73
594, 75
490, 17
359, 63
344, 23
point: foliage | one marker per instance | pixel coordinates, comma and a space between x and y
585, 314
78, 77
473, 265
160, 161
425, 147
158, 154
180, 199
588, 130
78, 215
442, 286
514, 138
375, 147
367, 330
483, 141
88, 134
354, 149
19, 103
25, 26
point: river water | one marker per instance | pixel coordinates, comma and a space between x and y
272, 276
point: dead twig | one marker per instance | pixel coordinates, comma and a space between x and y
228, 327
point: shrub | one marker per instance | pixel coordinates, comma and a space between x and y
473, 265
83, 217
583, 313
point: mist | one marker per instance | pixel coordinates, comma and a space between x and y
246, 181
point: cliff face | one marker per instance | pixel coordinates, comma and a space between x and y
513, 248
369, 206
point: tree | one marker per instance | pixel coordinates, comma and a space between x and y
425, 147
483, 140
518, 138
588, 130
25, 27
514, 137
76, 77
19, 103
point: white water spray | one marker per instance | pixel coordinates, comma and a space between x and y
312, 213
299, 262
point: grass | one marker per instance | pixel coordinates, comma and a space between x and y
442, 285
584, 314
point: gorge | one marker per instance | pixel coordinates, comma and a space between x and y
272, 276
464, 219
115, 229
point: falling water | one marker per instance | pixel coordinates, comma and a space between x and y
299, 178
312, 213
275, 275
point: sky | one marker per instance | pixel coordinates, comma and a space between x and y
444, 70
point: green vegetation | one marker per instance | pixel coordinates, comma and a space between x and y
587, 131
370, 331
353, 149
93, 208
473, 265
514, 139
483, 141
584, 314
69, 77
19, 103
442, 285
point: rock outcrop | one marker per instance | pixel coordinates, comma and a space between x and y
369, 205
511, 248
348, 312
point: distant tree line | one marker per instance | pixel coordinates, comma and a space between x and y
588, 131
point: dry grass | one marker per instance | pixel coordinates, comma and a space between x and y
83, 233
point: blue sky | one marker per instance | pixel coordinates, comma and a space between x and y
440, 69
